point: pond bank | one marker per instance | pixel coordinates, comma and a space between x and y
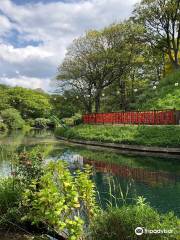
164, 140
124, 148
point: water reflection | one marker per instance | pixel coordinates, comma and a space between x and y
138, 174
157, 179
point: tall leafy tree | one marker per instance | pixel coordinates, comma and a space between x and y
93, 62
161, 19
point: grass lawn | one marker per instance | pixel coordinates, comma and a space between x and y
164, 136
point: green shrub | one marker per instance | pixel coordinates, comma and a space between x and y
49, 196
74, 120
12, 118
30, 103
43, 123
120, 223
60, 199
77, 119
30, 122
63, 132
3, 127
9, 195
29, 166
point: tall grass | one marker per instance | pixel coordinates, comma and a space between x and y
165, 136
166, 96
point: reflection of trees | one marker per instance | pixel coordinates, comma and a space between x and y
139, 174
151, 163
7, 154
40, 133
14, 138
18, 141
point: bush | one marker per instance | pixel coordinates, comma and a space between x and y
43, 123
12, 118
8, 195
26, 167
60, 200
3, 127
66, 133
74, 120
30, 122
30, 103
120, 223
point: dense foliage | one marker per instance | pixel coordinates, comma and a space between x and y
43, 123
161, 21
120, 66
3, 126
167, 136
56, 199
165, 96
66, 104
12, 118
60, 199
74, 120
120, 223
29, 103
50, 196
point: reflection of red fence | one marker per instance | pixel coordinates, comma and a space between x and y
156, 117
139, 174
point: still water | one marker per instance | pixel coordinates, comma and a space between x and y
117, 176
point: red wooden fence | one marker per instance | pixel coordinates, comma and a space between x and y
155, 117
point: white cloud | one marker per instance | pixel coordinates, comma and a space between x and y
55, 25
5, 25
18, 55
27, 82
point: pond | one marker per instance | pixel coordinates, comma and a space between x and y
117, 176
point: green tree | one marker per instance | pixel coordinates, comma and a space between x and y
12, 118
30, 103
66, 105
94, 62
161, 19
4, 103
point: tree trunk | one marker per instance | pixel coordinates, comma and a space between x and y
123, 95
89, 107
97, 102
176, 61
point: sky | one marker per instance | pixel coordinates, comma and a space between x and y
34, 35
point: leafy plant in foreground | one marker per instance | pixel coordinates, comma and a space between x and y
61, 200
28, 167
120, 223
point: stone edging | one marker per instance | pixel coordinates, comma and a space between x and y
140, 148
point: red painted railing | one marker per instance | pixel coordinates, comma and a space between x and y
155, 117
